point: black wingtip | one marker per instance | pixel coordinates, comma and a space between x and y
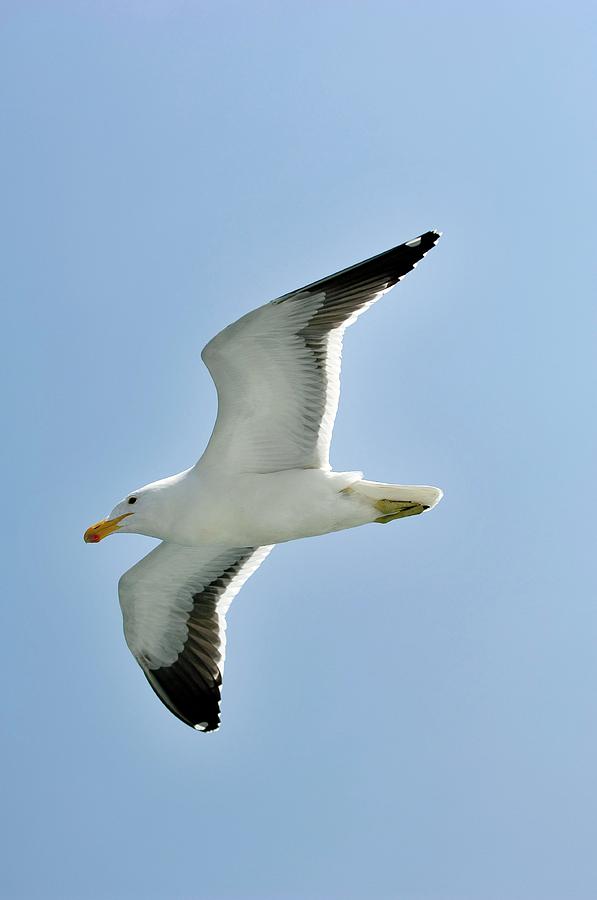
424, 241
199, 710
388, 267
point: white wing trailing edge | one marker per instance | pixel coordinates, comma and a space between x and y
277, 369
174, 603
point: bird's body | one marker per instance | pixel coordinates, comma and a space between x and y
205, 506
212, 508
264, 479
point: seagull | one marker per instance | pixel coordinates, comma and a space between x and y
264, 478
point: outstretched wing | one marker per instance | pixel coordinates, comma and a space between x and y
277, 369
174, 603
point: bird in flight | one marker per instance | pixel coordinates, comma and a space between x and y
264, 478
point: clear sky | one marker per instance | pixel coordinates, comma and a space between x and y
409, 711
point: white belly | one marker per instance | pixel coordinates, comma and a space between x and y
252, 510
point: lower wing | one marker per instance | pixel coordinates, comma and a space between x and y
174, 602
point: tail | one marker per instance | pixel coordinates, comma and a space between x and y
395, 501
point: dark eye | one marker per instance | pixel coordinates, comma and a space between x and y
132, 499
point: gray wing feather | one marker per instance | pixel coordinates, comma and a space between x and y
277, 369
174, 603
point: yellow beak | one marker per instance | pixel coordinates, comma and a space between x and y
102, 529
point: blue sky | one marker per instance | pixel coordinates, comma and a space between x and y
409, 712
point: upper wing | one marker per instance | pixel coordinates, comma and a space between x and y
277, 369
173, 604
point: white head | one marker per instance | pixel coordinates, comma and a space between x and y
137, 513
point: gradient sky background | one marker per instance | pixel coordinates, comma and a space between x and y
409, 712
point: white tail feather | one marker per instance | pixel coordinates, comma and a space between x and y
415, 493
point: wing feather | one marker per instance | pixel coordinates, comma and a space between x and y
174, 603
277, 369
